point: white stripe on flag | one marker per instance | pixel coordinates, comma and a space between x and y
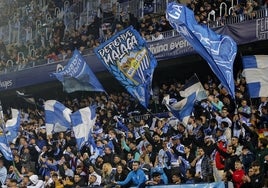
255, 72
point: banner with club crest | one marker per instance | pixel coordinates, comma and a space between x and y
127, 57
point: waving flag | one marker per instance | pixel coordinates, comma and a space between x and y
126, 56
4, 148
57, 117
13, 126
83, 121
181, 109
27, 97
218, 50
191, 86
256, 71
77, 76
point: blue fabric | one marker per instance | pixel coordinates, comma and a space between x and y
83, 121
256, 71
57, 115
4, 148
77, 76
184, 110
193, 85
127, 57
135, 177
13, 126
218, 50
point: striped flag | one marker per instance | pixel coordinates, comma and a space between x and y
255, 72
13, 126
83, 121
181, 109
57, 117
191, 86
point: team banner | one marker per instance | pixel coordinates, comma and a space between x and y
77, 76
127, 57
218, 50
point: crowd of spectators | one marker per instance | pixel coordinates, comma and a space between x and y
131, 146
56, 37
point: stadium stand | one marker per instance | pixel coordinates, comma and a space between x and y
44, 32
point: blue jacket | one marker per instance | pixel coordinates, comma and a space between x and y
135, 177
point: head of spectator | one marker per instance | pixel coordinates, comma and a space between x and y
190, 174
156, 138
156, 177
13, 183
176, 140
106, 169
117, 160
256, 166
176, 178
135, 165
181, 127
92, 180
99, 162
231, 149
262, 143
238, 165
78, 180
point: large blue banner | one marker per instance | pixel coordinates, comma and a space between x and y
218, 50
127, 57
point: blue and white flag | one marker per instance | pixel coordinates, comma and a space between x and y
77, 76
127, 57
57, 117
5, 148
255, 72
13, 126
218, 50
191, 86
83, 121
183, 108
